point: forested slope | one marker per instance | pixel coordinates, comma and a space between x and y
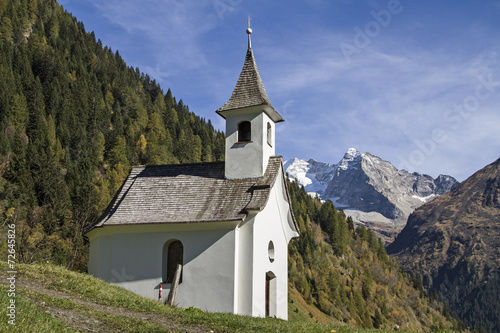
73, 120
453, 243
345, 272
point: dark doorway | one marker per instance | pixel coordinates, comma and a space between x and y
173, 253
270, 294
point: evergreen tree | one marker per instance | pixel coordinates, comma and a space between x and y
73, 120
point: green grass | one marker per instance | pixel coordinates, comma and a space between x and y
29, 317
113, 322
117, 309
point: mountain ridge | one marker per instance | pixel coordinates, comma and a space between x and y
452, 242
369, 188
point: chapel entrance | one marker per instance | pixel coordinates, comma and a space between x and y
270, 294
173, 253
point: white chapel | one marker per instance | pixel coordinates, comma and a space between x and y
215, 233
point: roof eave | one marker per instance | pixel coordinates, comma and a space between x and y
268, 109
177, 222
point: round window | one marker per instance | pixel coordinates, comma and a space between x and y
270, 251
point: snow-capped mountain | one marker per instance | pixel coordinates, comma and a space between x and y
313, 175
368, 188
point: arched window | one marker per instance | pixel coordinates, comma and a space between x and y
244, 131
172, 256
269, 135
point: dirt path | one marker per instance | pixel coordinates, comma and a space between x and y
79, 320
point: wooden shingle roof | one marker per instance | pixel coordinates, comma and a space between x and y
185, 193
249, 91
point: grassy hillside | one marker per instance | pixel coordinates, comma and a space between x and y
53, 299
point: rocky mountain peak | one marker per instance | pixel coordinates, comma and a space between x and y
369, 188
351, 156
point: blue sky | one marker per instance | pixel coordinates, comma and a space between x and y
416, 83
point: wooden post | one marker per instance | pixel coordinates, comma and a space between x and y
175, 284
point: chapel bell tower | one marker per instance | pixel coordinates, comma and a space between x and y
250, 121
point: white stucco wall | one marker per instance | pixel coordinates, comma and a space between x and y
225, 263
131, 257
100, 257
272, 224
247, 160
244, 263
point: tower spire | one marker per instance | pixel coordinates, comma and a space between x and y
250, 123
249, 90
249, 32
